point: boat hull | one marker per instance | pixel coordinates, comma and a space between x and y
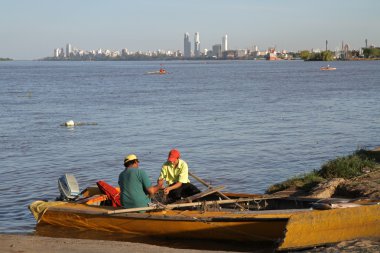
156, 72
328, 68
172, 224
291, 228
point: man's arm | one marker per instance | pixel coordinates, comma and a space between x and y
161, 178
183, 173
153, 189
147, 184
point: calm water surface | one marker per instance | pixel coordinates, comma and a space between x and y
241, 124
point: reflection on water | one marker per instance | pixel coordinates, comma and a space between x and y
63, 232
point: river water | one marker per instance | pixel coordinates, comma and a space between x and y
241, 124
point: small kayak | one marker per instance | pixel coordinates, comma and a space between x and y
158, 72
328, 68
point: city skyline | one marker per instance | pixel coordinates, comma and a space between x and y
31, 32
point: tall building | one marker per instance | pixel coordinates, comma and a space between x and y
68, 50
197, 45
57, 52
187, 46
217, 50
224, 43
255, 51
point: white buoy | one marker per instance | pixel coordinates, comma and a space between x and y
69, 123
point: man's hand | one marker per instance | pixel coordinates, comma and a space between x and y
172, 187
167, 190
160, 183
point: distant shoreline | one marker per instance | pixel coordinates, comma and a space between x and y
155, 60
193, 60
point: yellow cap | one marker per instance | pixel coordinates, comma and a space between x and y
130, 157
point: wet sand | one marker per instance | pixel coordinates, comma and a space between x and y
38, 244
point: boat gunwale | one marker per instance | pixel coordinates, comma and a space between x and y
193, 215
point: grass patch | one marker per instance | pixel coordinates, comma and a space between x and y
342, 167
346, 167
302, 182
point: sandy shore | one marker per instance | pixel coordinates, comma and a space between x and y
41, 244
38, 244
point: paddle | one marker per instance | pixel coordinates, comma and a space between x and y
200, 195
210, 187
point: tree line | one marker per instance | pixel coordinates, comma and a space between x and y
368, 53
373, 52
317, 56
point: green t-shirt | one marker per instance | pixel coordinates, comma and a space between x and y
133, 182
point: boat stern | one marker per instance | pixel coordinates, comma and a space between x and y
319, 227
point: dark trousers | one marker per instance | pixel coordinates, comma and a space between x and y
186, 190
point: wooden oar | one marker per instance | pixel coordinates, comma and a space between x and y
173, 206
210, 187
200, 195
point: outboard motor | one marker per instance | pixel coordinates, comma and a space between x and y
68, 187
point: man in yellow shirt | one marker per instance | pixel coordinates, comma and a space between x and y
176, 174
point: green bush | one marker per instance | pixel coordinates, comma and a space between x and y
345, 167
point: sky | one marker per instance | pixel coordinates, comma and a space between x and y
31, 29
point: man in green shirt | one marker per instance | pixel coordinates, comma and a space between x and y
135, 185
176, 174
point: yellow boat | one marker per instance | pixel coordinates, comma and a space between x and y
289, 222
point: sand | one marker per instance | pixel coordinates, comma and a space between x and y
40, 244
354, 246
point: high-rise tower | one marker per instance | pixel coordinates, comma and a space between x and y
197, 45
224, 43
68, 50
187, 46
